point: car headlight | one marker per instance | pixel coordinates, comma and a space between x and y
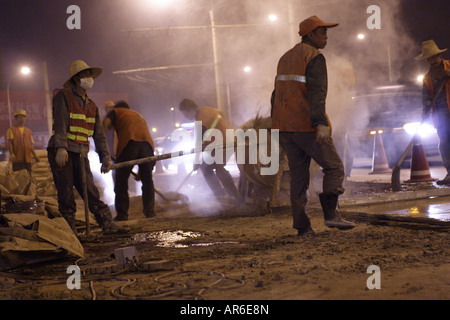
424, 130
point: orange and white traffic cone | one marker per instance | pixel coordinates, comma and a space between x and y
420, 170
379, 160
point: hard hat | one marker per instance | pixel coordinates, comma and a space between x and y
20, 113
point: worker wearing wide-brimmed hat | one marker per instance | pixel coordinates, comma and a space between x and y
438, 75
21, 143
75, 120
305, 132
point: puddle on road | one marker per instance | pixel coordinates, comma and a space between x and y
172, 239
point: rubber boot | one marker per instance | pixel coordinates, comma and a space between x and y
121, 217
333, 219
70, 218
104, 218
301, 219
445, 181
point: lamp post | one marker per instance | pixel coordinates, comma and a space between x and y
24, 71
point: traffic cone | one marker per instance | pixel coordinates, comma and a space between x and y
379, 160
420, 170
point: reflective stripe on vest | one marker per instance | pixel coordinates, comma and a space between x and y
291, 77
81, 117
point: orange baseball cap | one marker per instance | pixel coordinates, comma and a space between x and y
312, 23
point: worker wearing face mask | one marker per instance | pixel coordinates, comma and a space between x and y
75, 120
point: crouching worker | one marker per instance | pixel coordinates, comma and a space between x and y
75, 120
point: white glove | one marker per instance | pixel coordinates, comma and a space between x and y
323, 134
61, 157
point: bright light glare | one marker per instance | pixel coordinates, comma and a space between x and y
159, 3
361, 36
423, 130
25, 70
247, 69
420, 78
273, 17
154, 129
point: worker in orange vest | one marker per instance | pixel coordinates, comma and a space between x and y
299, 113
76, 119
217, 177
439, 74
133, 142
21, 143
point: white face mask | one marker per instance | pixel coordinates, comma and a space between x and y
86, 83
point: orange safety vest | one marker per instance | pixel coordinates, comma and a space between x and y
130, 125
428, 81
81, 120
22, 144
207, 115
291, 111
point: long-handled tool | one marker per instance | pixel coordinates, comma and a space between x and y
395, 179
85, 193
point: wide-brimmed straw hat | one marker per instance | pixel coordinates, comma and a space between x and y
79, 65
312, 23
429, 49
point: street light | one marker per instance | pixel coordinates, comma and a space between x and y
24, 71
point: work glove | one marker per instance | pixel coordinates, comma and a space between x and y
61, 157
323, 134
106, 166
12, 157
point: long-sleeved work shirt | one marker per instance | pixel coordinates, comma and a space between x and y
317, 89
61, 125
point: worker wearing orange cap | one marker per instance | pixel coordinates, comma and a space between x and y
20, 143
298, 111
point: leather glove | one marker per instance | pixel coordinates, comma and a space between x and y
323, 134
106, 166
61, 157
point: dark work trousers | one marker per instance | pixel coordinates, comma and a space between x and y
133, 151
444, 140
69, 176
219, 179
300, 149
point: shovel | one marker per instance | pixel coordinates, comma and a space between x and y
395, 179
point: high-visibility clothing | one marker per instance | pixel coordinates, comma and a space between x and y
428, 81
22, 144
81, 120
291, 111
130, 125
208, 115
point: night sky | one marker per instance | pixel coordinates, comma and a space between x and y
35, 30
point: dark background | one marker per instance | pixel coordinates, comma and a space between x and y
35, 30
